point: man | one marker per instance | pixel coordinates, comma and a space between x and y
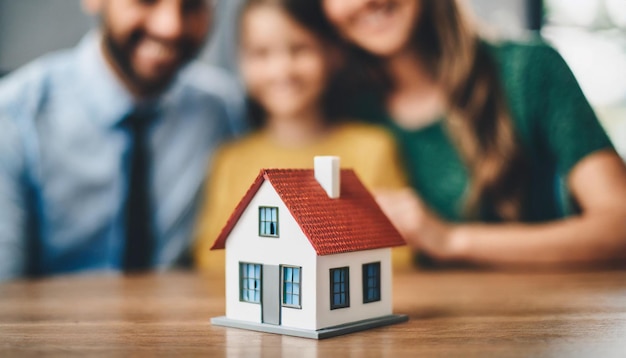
104, 148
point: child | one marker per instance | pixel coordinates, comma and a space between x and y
288, 71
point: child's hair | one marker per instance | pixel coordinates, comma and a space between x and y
332, 103
480, 121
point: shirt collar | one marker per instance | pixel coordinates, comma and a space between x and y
107, 99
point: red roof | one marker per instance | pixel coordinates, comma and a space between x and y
353, 222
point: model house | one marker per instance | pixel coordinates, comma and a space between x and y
308, 253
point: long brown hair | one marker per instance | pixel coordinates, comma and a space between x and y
479, 120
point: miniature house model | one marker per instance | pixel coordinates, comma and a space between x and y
308, 253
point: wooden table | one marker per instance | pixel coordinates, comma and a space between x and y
469, 314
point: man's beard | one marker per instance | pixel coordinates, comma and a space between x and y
120, 52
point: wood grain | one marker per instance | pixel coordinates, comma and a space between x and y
469, 314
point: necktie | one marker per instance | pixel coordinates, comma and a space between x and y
139, 239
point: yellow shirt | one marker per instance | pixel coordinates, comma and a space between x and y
367, 149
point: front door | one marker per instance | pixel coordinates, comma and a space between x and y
270, 301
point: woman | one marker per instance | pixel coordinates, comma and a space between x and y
486, 131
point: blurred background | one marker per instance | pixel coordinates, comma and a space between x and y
590, 34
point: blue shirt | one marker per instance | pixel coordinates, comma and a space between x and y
64, 160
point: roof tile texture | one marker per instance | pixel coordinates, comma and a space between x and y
353, 222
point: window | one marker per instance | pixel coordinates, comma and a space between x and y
268, 221
371, 282
291, 286
250, 282
339, 288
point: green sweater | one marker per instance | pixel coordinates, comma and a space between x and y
553, 120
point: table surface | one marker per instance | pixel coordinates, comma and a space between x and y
465, 314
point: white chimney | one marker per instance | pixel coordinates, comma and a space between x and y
327, 173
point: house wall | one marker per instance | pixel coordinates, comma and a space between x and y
357, 310
291, 248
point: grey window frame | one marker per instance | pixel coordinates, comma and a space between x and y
283, 287
261, 222
243, 277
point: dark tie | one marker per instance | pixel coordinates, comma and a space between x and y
139, 239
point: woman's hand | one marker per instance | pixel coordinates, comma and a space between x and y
421, 228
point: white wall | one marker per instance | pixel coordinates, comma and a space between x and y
509, 18
291, 248
357, 310
30, 28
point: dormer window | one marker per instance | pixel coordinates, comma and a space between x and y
268, 221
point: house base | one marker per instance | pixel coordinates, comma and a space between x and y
319, 334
